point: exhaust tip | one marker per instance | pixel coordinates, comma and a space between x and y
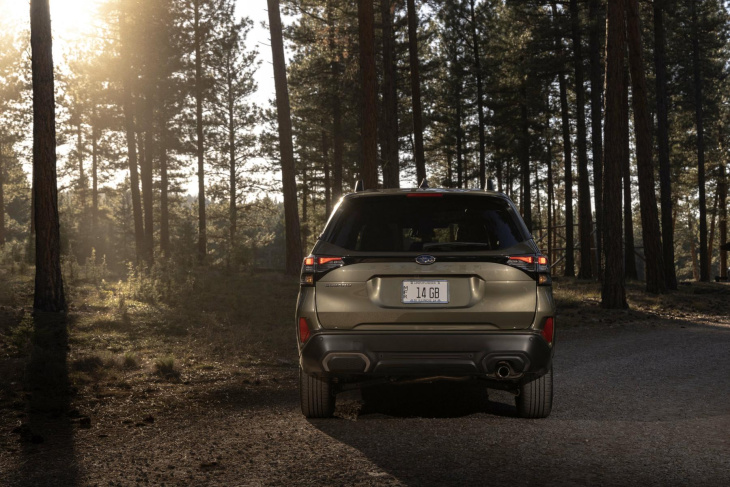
503, 370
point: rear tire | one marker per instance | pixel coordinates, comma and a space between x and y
535, 399
317, 396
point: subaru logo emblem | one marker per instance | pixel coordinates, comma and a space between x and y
425, 259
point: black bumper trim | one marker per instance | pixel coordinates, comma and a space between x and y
424, 354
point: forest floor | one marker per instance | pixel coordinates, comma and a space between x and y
201, 389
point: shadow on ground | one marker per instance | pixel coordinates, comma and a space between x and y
46, 435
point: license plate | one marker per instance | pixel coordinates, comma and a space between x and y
425, 292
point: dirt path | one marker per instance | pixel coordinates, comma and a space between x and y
635, 404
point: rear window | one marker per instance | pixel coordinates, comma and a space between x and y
398, 223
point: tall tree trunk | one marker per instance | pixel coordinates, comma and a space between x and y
338, 139
326, 170
164, 188
480, 97
629, 254
662, 108
699, 116
94, 173
655, 279
713, 215
202, 224
567, 152
389, 131
49, 293
722, 192
130, 129
286, 147
567, 157
418, 153
459, 142
524, 149
2, 198
692, 244
584, 189
613, 292
550, 191
80, 155
368, 76
596, 21
146, 175
232, 190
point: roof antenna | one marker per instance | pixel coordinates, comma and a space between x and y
490, 184
424, 184
359, 186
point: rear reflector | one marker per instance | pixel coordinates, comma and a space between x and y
547, 331
303, 330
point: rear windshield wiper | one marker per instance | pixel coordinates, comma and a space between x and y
456, 246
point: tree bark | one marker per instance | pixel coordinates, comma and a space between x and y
651, 235
699, 116
418, 153
202, 224
391, 167
662, 108
584, 191
596, 20
129, 125
286, 147
613, 292
480, 98
49, 293
164, 189
368, 76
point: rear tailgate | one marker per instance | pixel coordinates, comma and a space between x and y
480, 295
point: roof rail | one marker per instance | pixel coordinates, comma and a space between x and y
359, 186
424, 184
490, 185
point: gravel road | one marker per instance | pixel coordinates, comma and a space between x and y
635, 404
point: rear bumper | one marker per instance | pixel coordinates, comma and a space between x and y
376, 354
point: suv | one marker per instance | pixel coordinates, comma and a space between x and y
423, 284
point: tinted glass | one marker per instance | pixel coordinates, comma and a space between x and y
398, 223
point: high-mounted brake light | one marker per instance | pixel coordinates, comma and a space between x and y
425, 195
304, 332
548, 330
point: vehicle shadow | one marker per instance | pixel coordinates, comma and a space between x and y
440, 399
46, 434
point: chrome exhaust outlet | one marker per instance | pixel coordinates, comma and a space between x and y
503, 370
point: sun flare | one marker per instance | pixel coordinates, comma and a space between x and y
69, 18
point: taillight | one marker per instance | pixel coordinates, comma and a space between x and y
548, 330
304, 332
315, 267
536, 265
